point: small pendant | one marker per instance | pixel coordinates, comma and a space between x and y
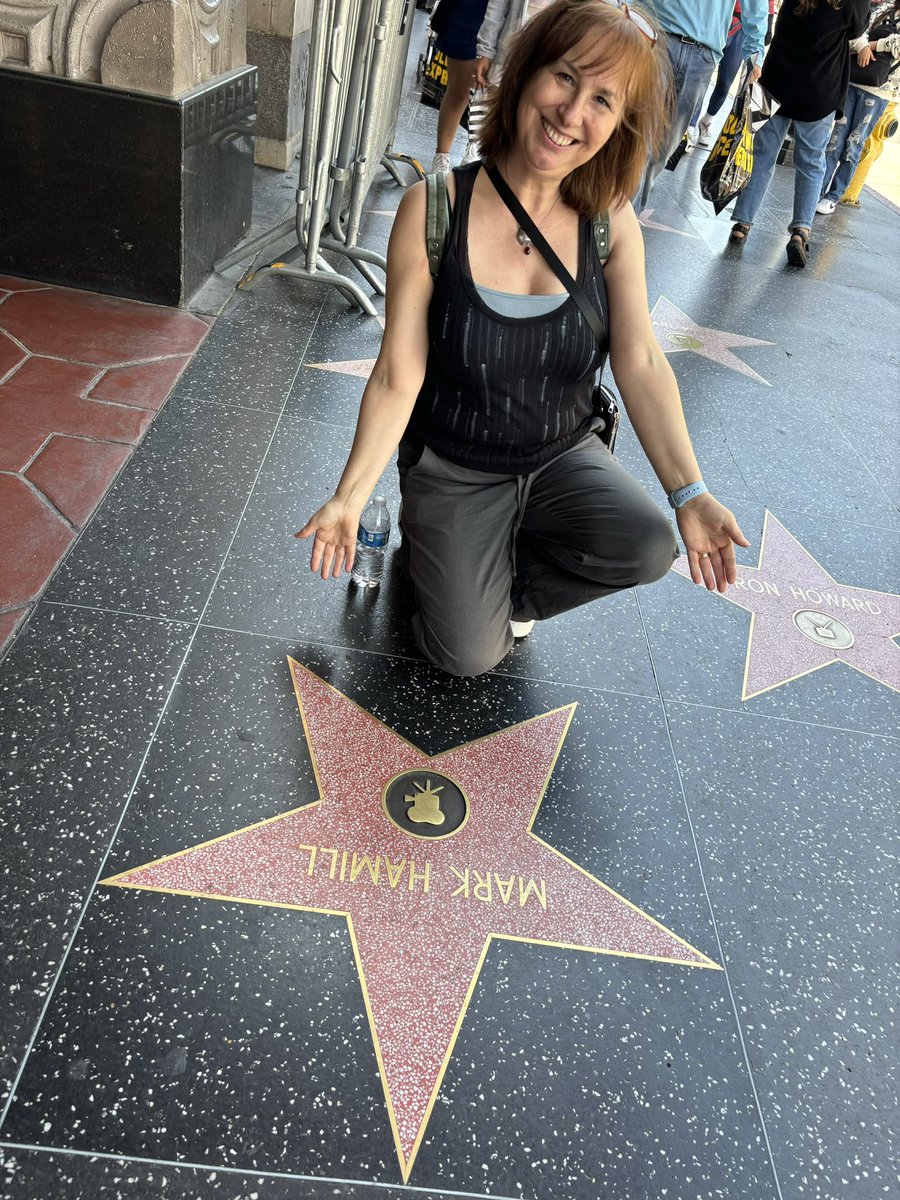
523, 239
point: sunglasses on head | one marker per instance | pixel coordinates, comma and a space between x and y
640, 21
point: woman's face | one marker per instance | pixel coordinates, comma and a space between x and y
567, 111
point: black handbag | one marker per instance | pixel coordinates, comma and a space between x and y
603, 401
877, 72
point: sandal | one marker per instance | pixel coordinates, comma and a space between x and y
798, 249
738, 234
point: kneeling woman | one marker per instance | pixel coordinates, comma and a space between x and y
513, 509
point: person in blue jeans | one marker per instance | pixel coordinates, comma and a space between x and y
868, 97
807, 70
696, 31
729, 64
844, 149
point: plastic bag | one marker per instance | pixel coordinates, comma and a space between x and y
762, 105
730, 164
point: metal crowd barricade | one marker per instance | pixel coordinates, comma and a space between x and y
357, 56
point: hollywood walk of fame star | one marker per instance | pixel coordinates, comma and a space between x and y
676, 331
803, 620
361, 367
421, 910
644, 219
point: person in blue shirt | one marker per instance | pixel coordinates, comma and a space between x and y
697, 31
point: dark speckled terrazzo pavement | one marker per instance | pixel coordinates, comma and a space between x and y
729, 771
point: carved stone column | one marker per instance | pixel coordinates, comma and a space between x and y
277, 43
127, 141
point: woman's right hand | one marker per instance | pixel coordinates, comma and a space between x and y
333, 530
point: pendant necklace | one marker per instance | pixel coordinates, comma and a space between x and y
522, 237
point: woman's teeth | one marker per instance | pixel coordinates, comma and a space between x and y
554, 136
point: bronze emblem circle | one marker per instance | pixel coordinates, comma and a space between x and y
425, 804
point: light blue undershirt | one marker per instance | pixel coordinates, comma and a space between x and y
514, 304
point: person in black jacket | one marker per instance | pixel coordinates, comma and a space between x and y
807, 70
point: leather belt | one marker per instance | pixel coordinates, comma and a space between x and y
683, 37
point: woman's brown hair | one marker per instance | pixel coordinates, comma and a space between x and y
615, 171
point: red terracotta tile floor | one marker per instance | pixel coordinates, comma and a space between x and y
81, 378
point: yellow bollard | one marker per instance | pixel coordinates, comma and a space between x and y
885, 127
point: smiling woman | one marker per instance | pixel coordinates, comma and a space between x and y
513, 509
596, 40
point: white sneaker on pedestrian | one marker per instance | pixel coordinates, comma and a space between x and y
472, 153
521, 629
690, 139
704, 135
826, 207
440, 162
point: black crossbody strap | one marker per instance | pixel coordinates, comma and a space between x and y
549, 255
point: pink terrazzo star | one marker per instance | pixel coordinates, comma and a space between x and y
676, 331
803, 620
421, 908
361, 367
645, 220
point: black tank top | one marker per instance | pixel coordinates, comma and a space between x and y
506, 394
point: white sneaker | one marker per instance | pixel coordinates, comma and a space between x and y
472, 154
704, 135
826, 207
521, 629
440, 162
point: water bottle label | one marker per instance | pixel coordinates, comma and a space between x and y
376, 540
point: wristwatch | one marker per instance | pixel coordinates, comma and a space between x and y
680, 496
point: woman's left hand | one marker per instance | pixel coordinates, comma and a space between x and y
710, 533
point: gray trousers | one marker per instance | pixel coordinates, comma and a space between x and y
481, 548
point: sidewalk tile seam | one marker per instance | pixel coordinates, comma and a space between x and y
83, 362
763, 716
187, 394
259, 1173
118, 612
48, 503
108, 296
14, 370
715, 924
12, 337
73, 437
391, 654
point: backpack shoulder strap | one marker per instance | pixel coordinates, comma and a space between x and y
600, 225
437, 219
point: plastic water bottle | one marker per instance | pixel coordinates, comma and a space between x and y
371, 543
